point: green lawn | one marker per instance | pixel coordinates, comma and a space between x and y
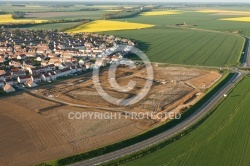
223, 139
183, 46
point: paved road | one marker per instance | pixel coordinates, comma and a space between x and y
167, 134
247, 55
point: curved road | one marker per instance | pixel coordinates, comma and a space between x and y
201, 112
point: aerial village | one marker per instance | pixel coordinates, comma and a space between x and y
31, 58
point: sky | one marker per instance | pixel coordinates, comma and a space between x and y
222, 1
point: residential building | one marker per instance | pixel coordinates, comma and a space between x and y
46, 77
23, 79
8, 88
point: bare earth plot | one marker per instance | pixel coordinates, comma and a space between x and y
28, 137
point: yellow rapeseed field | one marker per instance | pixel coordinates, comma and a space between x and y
107, 25
226, 12
244, 19
112, 10
7, 19
161, 12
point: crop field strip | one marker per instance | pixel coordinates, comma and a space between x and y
7, 19
215, 142
108, 25
182, 46
201, 20
50, 26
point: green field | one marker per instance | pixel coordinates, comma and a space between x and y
200, 20
50, 26
183, 46
67, 15
223, 139
58, 6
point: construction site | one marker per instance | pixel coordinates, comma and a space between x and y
40, 122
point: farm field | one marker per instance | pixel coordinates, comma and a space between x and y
39, 129
49, 7
183, 46
50, 26
67, 15
215, 142
225, 12
7, 19
241, 19
195, 19
160, 12
36, 138
107, 25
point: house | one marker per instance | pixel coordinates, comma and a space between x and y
30, 83
88, 65
51, 67
59, 52
27, 62
67, 55
62, 66
68, 60
115, 58
46, 77
63, 72
37, 70
42, 49
80, 68
18, 73
3, 48
81, 62
101, 62
6, 75
31, 54
61, 47
53, 76
1, 84
23, 79
8, 88
2, 72
57, 63
2, 60
97, 51
21, 56
14, 69
73, 69
39, 59
50, 55
44, 63
89, 45
9, 81
15, 64
54, 60
36, 78
107, 58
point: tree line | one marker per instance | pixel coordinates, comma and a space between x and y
125, 13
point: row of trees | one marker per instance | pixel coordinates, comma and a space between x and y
26, 24
125, 13
17, 15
